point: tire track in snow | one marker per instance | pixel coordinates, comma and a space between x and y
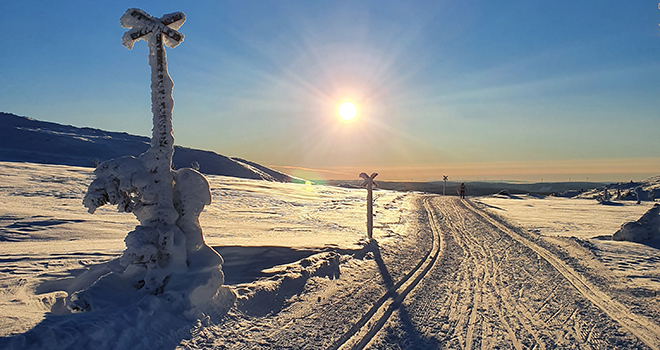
644, 329
362, 333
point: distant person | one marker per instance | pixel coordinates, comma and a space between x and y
462, 190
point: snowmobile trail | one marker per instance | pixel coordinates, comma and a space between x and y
362, 333
491, 288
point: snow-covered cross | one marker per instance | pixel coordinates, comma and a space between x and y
157, 31
370, 184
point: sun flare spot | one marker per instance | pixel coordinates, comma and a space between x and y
348, 111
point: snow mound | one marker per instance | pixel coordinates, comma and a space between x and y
647, 228
269, 295
121, 317
505, 194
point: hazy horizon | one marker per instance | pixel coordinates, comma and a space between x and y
488, 174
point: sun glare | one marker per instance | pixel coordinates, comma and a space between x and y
347, 111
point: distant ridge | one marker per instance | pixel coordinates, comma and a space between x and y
24, 139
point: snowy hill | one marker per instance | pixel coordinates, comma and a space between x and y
25, 139
648, 190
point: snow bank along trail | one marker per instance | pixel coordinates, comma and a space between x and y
640, 326
360, 335
491, 289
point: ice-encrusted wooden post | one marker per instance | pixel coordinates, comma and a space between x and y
158, 31
444, 186
370, 184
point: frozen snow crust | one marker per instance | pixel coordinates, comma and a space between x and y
166, 253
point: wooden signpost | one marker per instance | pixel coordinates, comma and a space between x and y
156, 32
370, 184
444, 186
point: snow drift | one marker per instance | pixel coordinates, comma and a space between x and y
647, 228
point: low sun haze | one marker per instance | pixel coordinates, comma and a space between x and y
512, 90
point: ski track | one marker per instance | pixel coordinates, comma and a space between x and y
368, 326
646, 330
494, 289
327, 309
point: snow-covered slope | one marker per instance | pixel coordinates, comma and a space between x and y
648, 190
24, 139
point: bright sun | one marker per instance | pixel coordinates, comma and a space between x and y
347, 111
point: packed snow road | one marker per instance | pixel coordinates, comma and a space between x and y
459, 279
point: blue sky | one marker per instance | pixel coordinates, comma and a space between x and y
520, 90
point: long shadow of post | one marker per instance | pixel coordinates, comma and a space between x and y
413, 338
384, 273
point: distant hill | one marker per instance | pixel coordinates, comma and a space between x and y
648, 190
24, 139
479, 188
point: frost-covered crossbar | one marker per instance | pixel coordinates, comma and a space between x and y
142, 24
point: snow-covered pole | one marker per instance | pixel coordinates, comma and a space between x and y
158, 159
157, 32
444, 186
370, 184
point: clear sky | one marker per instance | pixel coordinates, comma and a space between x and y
519, 90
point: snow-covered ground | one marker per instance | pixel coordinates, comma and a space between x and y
583, 229
298, 259
47, 237
566, 217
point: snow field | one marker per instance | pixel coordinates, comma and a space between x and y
304, 232
556, 216
305, 276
